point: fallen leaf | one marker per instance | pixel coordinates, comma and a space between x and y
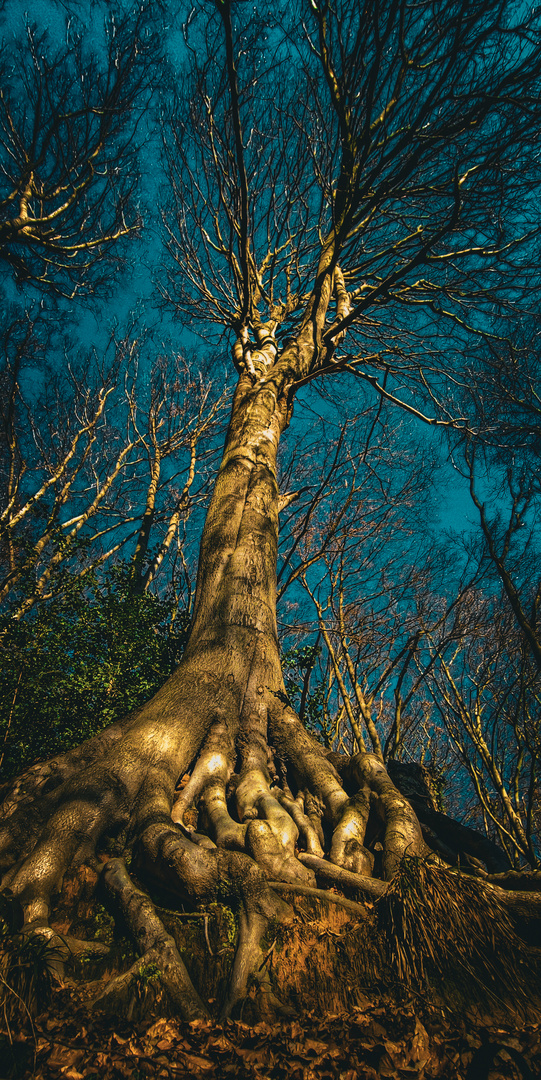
420, 1044
133, 1049
315, 1046
220, 1042
158, 1029
117, 1040
63, 1057
196, 1062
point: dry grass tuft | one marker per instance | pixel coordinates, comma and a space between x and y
451, 932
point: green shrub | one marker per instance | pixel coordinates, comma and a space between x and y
74, 665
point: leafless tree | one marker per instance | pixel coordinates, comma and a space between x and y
84, 455
343, 182
356, 542
485, 692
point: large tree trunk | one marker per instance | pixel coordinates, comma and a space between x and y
271, 805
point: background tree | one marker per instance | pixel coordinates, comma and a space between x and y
486, 697
84, 451
417, 670
342, 236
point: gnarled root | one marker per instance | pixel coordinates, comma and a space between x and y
403, 833
311, 836
208, 782
315, 821
370, 887
159, 955
348, 815
347, 848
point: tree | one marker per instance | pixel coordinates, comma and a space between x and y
343, 180
485, 691
415, 669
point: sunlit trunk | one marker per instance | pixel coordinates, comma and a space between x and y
235, 604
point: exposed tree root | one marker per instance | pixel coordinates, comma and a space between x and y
324, 895
199, 874
159, 954
402, 832
445, 926
259, 834
523, 880
372, 888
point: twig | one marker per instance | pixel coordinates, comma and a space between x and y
267, 956
206, 928
10, 718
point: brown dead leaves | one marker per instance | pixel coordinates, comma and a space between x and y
378, 1039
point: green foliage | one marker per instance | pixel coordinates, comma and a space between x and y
298, 665
227, 921
148, 995
84, 660
149, 973
103, 925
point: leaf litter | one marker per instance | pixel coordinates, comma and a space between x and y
382, 1037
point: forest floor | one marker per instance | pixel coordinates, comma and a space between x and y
349, 1017
383, 1036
